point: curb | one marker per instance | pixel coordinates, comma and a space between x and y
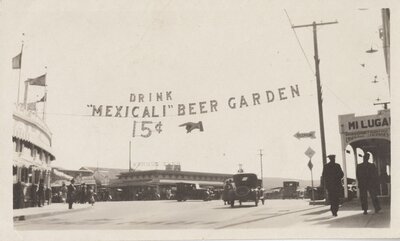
46, 214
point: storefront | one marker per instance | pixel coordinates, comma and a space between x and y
368, 134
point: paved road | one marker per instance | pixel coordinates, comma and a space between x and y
196, 215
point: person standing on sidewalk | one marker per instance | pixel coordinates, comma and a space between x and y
332, 175
90, 195
368, 181
40, 193
33, 194
70, 194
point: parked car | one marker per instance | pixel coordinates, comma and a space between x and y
244, 189
185, 191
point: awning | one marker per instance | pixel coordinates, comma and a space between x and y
22, 162
61, 174
58, 183
48, 149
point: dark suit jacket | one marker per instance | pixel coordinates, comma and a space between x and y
333, 174
367, 175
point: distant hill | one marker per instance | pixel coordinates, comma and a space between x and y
271, 182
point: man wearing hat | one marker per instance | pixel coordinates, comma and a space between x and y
332, 175
70, 194
368, 180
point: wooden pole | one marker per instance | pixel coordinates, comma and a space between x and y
319, 92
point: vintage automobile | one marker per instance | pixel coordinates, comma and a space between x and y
244, 189
192, 191
290, 190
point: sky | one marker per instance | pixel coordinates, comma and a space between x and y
99, 53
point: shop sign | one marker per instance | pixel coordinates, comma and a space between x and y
354, 136
352, 124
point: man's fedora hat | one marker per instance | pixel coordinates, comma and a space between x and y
331, 156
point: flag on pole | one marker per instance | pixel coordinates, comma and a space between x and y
43, 99
16, 61
41, 80
310, 165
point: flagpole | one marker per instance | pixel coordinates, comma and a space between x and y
45, 94
26, 93
19, 72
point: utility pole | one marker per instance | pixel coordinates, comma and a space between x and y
319, 89
261, 154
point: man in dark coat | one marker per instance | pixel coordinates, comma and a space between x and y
368, 181
70, 193
332, 175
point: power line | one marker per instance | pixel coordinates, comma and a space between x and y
344, 103
301, 47
308, 61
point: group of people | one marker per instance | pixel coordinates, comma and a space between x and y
40, 194
367, 178
80, 194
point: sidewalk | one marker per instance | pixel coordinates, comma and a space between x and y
47, 210
350, 215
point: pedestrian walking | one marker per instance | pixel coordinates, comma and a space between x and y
227, 188
70, 194
332, 175
368, 182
